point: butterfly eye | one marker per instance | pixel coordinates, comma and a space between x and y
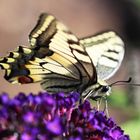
105, 89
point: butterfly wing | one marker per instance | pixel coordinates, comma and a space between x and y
55, 58
106, 51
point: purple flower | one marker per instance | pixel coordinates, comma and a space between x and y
49, 117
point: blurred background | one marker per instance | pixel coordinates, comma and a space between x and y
17, 18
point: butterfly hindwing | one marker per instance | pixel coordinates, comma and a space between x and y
50, 71
106, 51
19, 68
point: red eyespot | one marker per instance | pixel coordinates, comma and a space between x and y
25, 80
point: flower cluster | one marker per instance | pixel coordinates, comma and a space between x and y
54, 117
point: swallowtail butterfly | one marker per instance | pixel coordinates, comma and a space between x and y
62, 62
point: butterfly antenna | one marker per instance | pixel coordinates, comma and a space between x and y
124, 82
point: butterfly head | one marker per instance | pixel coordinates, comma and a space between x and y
102, 89
98, 90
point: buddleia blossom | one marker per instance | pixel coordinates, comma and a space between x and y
54, 117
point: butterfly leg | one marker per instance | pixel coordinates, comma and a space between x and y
98, 102
88, 95
106, 107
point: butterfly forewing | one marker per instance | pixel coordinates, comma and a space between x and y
106, 51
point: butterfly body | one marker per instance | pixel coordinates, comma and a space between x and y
60, 61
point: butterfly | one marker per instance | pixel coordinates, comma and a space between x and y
62, 62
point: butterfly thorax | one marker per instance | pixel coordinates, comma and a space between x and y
98, 90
